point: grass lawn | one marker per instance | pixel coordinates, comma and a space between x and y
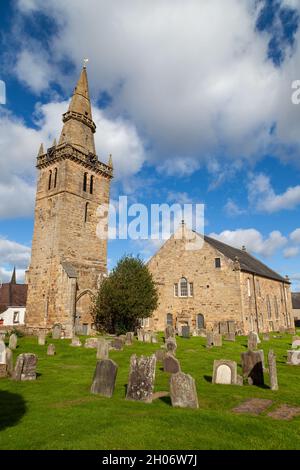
57, 410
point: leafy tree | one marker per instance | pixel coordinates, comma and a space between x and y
126, 295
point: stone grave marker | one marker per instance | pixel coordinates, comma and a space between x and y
252, 341
9, 362
209, 339
293, 358
51, 350
141, 378
129, 338
147, 336
185, 331
202, 332
223, 328
140, 334
252, 367
272, 370
91, 343
56, 331
160, 355
183, 391
171, 345
25, 368
154, 338
225, 372
42, 338
76, 343
230, 337
217, 339
102, 349
104, 378
13, 341
171, 364
296, 344
117, 343
169, 332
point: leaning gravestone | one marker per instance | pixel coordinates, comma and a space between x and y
56, 331
103, 349
171, 364
13, 341
209, 339
185, 331
9, 362
225, 372
25, 368
51, 350
252, 367
169, 332
105, 378
171, 345
183, 391
272, 370
141, 378
293, 358
217, 339
252, 341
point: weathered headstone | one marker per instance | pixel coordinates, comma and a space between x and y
42, 339
252, 341
272, 370
154, 338
225, 372
56, 331
217, 339
296, 344
129, 338
9, 362
117, 343
202, 332
104, 378
185, 331
293, 358
231, 327
282, 330
141, 378
262, 355
183, 391
169, 332
140, 334
209, 339
266, 337
91, 343
223, 327
230, 337
171, 345
147, 337
2, 352
160, 355
13, 341
25, 368
102, 349
171, 364
252, 367
51, 350
76, 342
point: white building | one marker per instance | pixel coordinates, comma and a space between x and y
12, 303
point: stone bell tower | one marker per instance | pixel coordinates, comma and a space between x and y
68, 258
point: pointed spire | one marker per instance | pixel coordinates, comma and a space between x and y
41, 150
80, 102
110, 161
13, 277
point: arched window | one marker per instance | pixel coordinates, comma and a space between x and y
92, 185
50, 179
55, 177
276, 308
249, 287
84, 181
200, 321
86, 212
183, 287
169, 319
269, 309
191, 293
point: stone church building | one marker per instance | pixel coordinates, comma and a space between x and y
68, 259
217, 286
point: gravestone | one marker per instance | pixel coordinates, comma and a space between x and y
252, 341
141, 378
2, 352
91, 343
185, 331
183, 391
160, 355
154, 338
56, 331
230, 337
296, 344
209, 339
262, 355
42, 339
293, 358
117, 343
169, 332
76, 342
171, 345
13, 341
225, 372
252, 367
231, 327
266, 337
147, 336
294, 338
102, 349
171, 364
25, 368
217, 339
140, 334
51, 350
129, 338
282, 330
104, 378
202, 332
223, 328
272, 370
9, 362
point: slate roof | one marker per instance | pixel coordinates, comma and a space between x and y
248, 262
12, 295
296, 300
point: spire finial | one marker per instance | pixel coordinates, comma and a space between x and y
110, 161
14, 277
41, 150
85, 61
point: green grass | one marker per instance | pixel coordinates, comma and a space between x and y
57, 411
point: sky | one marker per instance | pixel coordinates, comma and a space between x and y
192, 99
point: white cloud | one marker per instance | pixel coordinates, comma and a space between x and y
14, 254
179, 197
295, 236
33, 69
232, 209
253, 240
264, 199
291, 252
189, 93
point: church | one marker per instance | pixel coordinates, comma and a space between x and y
213, 287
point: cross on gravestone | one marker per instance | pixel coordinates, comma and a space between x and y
104, 378
51, 350
56, 331
13, 341
103, 349
183, 391
171, 364
272, 370
141, 378
252, 367
25, 368
225, 372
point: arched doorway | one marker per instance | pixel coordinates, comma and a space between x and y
83, 318
200, 321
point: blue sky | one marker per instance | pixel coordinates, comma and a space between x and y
193, 100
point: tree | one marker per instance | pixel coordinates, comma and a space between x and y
126, 295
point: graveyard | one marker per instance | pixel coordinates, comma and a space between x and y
58, 410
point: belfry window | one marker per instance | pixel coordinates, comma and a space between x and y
85, 181
92, 185
183, 287
50, 180
55, 177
